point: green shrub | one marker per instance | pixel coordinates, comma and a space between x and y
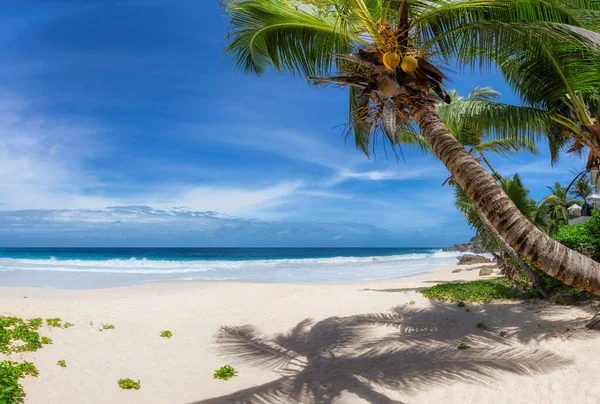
480, 291
225, 373
166, 334
107, 327
482, 326
411, 302
11, 390
502, 333
68, 325
461, 304
128, 384
463, 346
583, 237
62, 363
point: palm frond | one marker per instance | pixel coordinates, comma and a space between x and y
507, 146
407, 136
276, 33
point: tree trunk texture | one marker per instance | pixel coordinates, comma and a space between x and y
528, 241
522, 265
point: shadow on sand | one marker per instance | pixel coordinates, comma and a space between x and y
317, 362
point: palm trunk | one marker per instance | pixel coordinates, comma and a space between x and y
558, 261
523, 267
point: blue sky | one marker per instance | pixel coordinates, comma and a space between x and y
122, 124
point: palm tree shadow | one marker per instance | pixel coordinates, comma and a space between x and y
317, 362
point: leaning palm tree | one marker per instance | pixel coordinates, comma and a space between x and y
389, 53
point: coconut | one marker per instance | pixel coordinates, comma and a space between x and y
409, 64
391, 60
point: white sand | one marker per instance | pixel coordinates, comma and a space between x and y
548, 357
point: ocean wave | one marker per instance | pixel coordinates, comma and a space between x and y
145, 266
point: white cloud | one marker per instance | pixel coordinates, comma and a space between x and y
42, 166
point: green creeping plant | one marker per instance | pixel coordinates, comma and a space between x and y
225, 373
129, 384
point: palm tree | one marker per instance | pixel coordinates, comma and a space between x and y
556, 205
386, 51
583, 189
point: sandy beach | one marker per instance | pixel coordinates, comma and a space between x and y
546, 355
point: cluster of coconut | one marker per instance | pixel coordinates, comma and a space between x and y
408, 63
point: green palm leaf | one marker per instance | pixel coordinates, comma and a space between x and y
275, 33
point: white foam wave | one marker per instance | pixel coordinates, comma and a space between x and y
74, 274
146, 266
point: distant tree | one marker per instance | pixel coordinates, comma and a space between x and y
556, 205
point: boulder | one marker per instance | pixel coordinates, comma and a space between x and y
469, 259
472, 246
485, 271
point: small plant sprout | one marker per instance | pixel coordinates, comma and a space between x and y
46, 340
482, 326
128, 384
225, 373
107, 327
463, 346
68, 325
91, 323
54, 322
62, 363
411, 302
461, 304
166, 334
502, 334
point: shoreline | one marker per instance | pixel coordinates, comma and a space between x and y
415, 277
179, 370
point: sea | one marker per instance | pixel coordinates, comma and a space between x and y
91, 268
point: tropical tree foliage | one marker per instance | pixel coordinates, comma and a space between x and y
556, 205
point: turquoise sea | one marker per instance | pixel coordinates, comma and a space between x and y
86, 268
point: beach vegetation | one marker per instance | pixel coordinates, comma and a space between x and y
11, 391
129, 384
481, 291
54, 322
67, 325
502, 333
461, 304
18, 335
583, 237
62, 363
412, 302
345, 45
106, 327
46, 340
166, 334
225, 373
482, 326
462, 346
